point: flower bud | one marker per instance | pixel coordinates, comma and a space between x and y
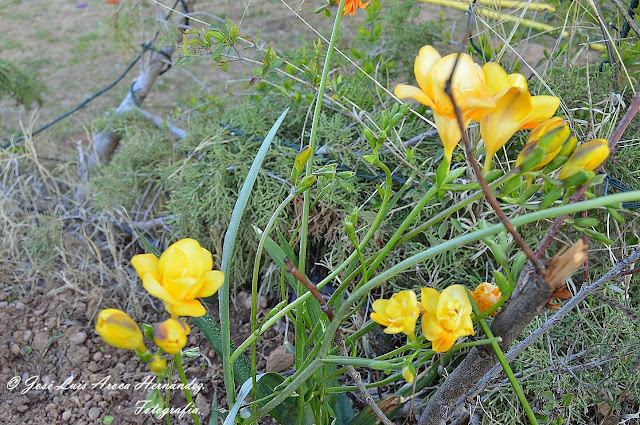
119, 330
587, 157
158, 364
171, 335
408, 372
302, 158
545, 142
486, 295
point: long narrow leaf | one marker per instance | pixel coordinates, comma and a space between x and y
227, 252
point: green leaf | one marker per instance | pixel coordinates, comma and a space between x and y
594, 235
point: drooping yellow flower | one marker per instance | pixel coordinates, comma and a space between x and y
117, 329
409, 373
182, 274
552, 138
351, 6
486, 295
587, 157
446, 316
515, 110
468, 86
399, 313
158, 364
171, 335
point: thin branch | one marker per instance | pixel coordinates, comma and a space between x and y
483, 183
292, 269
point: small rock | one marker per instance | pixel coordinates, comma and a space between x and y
22, 408
80, 308
97, 356
93, 367
94, 413
27, 335
78, 338
279, 360
78, 356
3, 296
3, 304
39, 340
15, 349
66, 415
51, 323
20, 305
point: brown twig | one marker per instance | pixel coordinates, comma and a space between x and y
293, 270
483, 183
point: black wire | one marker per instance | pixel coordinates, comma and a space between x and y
145, 47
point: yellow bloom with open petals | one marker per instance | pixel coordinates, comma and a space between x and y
399, 313
587, 157
468, 86
515, 110
117, 329
446, 316
486, 295
181, 274
171, 335
351, 6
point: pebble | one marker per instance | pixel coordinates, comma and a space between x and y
66, 415
78, 338
3, 304
20, 305
15, 349
279, 360
94, 413
97, 356
27, 335
39, 340
3, 296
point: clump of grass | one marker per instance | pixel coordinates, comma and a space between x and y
20, 85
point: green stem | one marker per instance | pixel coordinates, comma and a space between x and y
505, 364
187, 393
255, 277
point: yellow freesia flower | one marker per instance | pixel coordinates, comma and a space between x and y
446, 316
351, 6
117, 329
468, 86
552, 138
171, 335
399, 313
182, 274
587, 157
515, 110
486, 295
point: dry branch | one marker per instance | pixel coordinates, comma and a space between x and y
106, 142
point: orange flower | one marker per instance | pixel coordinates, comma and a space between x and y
351, 6
486, 295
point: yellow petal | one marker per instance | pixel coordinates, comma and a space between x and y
211, 282
191, 308
424, 63
449, 132
145, 263
193, 252
403, 91
429, 298
497, 128
207, 260
153, 287
173, 263
431, 328
379, 314
497, 79
518, 80
184, 288
542, 108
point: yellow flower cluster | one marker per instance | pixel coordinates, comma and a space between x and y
446, 315
501, 102
181, 274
